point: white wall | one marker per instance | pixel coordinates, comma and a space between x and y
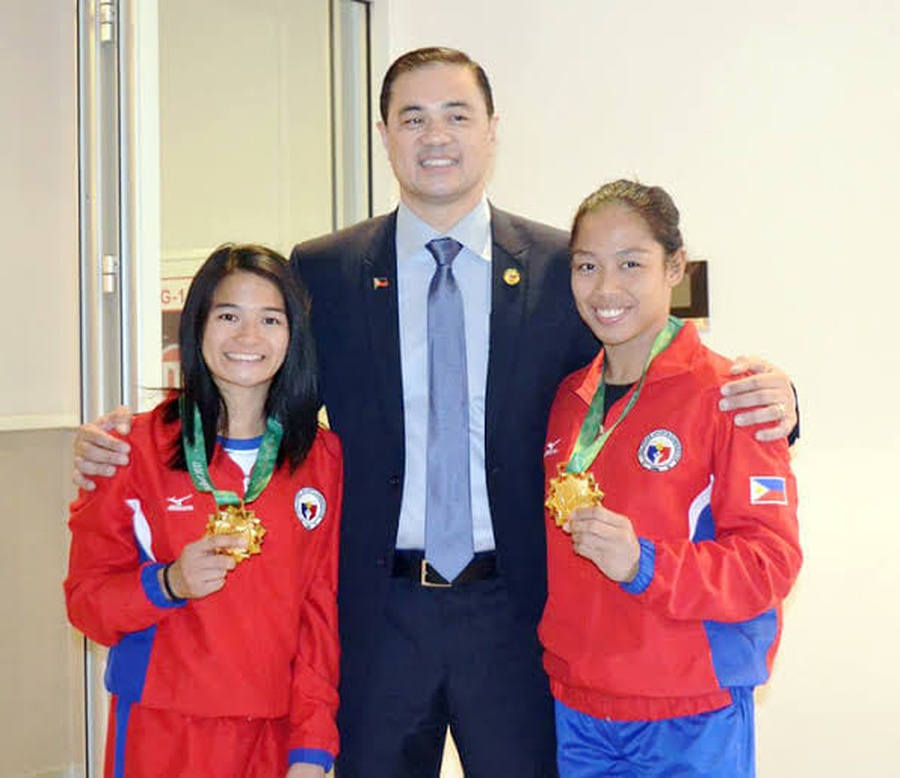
41, 700
775, 126
39, 212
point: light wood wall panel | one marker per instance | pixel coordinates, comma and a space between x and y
41, 727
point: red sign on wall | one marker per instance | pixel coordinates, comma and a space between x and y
173, 294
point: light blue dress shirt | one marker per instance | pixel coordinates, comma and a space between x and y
472, 270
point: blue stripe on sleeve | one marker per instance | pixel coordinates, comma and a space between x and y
646, 568
311, 756
153, 589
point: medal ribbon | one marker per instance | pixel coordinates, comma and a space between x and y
592, 437
260, 475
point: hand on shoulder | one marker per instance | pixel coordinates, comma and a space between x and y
97, 452
764, 395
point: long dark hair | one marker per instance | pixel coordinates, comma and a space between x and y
293, 397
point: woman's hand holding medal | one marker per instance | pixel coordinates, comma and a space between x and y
203, 565
607, 539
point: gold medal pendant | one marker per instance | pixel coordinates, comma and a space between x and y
237, 520
569, 491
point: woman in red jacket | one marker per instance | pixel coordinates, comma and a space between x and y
209, 563
672, 533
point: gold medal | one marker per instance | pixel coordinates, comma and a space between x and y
569, 491
237, 520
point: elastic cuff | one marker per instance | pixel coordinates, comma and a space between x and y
646, 568
311, 756
153, 589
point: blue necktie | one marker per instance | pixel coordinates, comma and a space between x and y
448, 502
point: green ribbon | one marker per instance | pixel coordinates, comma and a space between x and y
260, 475
592, 436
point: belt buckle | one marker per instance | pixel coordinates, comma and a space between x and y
423, 578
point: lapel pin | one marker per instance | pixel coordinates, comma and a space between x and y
380, 283
511, 276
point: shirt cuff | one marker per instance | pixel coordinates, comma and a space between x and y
311, 756
153, 589
646, 568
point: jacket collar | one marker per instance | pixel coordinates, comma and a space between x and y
678, 358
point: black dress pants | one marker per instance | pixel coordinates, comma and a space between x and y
458, 658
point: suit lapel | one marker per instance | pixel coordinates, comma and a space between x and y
509, 288
379, 296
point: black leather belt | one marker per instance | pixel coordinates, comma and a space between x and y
414, 566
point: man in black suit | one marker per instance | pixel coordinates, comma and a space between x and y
415, 657
421, 653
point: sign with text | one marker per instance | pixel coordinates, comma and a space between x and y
172, 296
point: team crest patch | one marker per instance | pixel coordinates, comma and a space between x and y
309, 505
660, 451
768, 490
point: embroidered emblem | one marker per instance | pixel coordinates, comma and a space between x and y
178, 503
768, 490
660, 451
511, 276
380, 283
309, 505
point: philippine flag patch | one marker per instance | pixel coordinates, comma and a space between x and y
767, 490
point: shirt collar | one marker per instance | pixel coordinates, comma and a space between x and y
473, 231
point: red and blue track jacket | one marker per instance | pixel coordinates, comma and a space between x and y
266, 645
715, 514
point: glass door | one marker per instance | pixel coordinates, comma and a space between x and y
263, 131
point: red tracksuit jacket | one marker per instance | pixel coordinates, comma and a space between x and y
266, 645
715, 513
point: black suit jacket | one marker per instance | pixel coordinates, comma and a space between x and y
536, 338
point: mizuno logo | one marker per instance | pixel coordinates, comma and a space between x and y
178, 503
552, 447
